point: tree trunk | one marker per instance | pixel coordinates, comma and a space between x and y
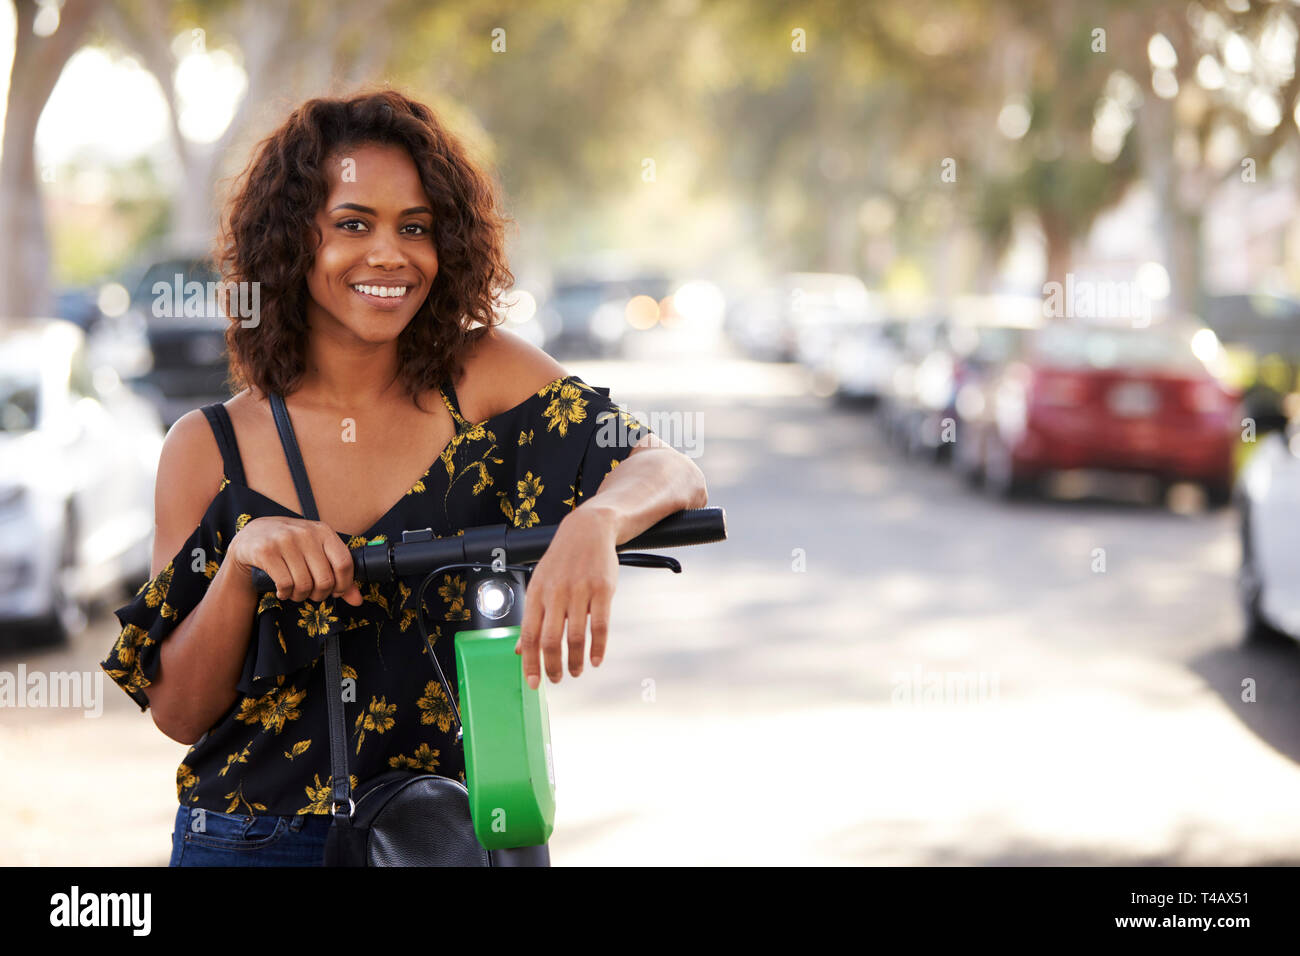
24, 244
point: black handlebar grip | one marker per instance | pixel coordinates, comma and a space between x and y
693, 526
263, 582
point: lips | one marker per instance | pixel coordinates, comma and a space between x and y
382, 301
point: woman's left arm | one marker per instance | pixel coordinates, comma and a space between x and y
577, 574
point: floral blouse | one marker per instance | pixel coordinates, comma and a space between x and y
269, 753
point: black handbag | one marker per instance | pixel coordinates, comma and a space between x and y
401, 817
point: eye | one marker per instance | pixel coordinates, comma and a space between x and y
424, 231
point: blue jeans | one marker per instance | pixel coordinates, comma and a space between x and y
209, 838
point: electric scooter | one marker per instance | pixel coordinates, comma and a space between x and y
504, 725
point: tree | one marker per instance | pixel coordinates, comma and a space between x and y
38, 63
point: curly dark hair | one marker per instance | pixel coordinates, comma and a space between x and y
269, 221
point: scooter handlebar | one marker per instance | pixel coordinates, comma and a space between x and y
419, 552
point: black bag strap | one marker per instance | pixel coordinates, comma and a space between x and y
224, 431
341, 786
297, 468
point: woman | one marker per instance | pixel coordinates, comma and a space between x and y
378, 254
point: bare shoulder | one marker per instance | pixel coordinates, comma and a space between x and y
189, 476
502, 371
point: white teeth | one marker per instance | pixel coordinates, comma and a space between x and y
381, 291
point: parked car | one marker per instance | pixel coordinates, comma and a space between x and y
798, 316
1267, 495
1261, 338
1105, 397
585, 313
981, 333
190, 365
78, 456
864, 360
901, 405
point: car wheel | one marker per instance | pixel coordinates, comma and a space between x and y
67, 614
967, 463
1218, 495
1000, 478
1258, 632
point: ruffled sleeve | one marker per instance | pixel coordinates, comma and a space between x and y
160, 605
287, 637
570, 440
612, 435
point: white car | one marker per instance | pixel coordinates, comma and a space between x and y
1268, 499
78, 456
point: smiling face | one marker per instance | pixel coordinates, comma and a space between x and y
377, 233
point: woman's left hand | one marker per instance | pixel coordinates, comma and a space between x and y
575, 577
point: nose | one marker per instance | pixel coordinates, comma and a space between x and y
385, 253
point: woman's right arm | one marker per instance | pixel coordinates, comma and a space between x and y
200, 662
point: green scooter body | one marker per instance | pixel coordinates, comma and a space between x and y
507, 741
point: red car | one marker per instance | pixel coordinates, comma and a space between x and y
1115, 398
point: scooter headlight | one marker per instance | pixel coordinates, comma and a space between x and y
494, 599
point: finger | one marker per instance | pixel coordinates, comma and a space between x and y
299, 574
576, 635
340, 559
281, 574
532, 644
600, 607
322, 573
552, 637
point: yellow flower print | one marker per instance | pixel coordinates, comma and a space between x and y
434, 706
418, 487
433, 639
210, 569
158, 588
298, 749
452, 590
186, 779
424, 758
568, 407
273, 708
379, 718
129, 643
232, 759
317, 619
242, 520
525, 516
530, 487
236, 797
222, 487
319, 795
374, 596
526, 437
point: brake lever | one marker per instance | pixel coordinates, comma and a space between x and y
640, 559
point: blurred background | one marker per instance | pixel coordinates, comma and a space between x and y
982, 320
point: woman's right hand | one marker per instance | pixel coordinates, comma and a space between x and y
305, 558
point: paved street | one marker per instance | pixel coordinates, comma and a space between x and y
794, 696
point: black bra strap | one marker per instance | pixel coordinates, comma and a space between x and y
291, 452
224, 431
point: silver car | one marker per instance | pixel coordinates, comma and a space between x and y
78, 456
1268, 499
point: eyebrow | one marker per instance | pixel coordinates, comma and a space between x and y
366, 209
